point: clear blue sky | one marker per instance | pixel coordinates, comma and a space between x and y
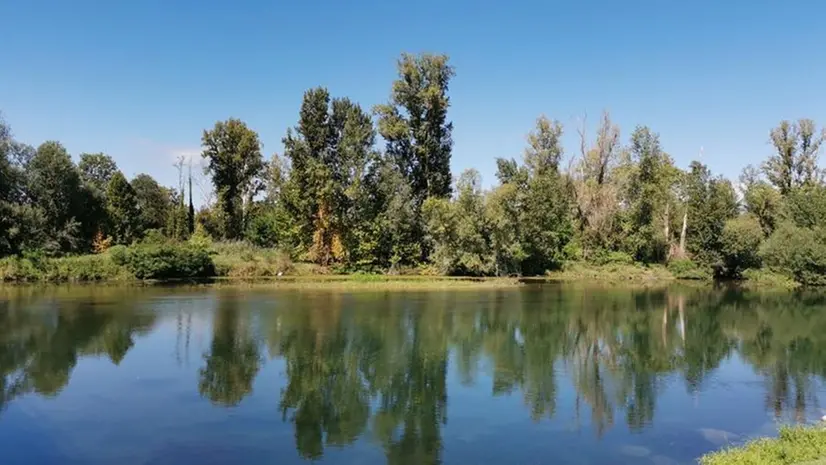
140, 80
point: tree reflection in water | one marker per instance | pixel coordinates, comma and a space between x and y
41, 340
375, 365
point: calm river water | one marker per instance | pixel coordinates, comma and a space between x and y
543, 374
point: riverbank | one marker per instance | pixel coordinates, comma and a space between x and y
794, 446
232, 262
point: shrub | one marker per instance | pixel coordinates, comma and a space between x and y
240, 259
605, 257
263, 231
685, 268
118, 254
767, 278
82, 268
798, 252
740, 244
168, 261
66, 269
200, 237
18, 269
794, 445
154, 236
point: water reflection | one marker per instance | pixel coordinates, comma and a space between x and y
41, 341
376, 365
233, 359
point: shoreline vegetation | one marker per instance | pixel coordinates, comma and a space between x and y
615, 207
795, 445
157, 259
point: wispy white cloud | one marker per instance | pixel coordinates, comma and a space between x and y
188, 154
173, 152
169, 155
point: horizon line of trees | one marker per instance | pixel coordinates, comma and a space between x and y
334, 198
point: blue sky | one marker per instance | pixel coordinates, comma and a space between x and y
141, 80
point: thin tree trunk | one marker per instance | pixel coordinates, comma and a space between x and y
682, 233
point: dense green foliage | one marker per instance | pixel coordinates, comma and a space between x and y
164, 261
335, 199
234, 155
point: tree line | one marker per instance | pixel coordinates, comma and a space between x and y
334, 197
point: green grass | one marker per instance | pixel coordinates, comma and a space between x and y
612, 273
767, 278
371, 282
83, 268
243, 261
795, 446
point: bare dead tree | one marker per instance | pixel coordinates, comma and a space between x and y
596, 199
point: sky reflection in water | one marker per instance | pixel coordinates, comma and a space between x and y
542, 374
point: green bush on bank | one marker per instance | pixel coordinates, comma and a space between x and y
797, 252
65, 269
761, 277
795, 445
169, 261
685, 268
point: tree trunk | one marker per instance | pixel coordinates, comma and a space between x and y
682, 233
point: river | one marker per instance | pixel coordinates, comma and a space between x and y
537, 374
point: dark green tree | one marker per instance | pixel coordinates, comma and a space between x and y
153, 200
55, 188
806, 206
304, 147
124, 210
190, 217
710, 203
235, 163
798, 252
97, 169
546, 223
740, 242
760, 199
648, 197
415, 127
459, 229
329, 151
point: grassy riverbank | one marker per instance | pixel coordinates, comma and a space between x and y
794, 446
242, 261
222, 264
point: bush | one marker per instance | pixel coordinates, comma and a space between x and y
767, 278
605, 257
798, 252
82, 268
154, 236
794, 445
66, 269
240, 259
118, 254
740, 245
168, 261
685, 268
263, 231
18, 269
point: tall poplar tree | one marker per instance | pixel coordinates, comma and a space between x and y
329, 151
124, 213
415, 127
